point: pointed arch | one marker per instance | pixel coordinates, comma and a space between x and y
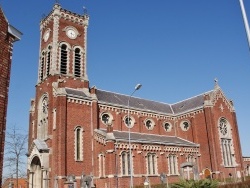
226, 140
125, 163
78, 61
151, 159
48, 59
42, 65
172, 164
42, 121
78, 131
64, 49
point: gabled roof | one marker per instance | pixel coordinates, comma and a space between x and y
142, 138
41, 145
11, 29
75, 93
14, 32
148, 105
188, 104
121, 100
136, 103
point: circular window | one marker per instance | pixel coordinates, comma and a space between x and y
106, 118
167, 126
185, 125
129, 121
223, 126
149, 124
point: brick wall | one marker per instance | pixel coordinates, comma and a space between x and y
6, 42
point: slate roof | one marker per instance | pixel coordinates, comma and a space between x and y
148, 138
137, 103
188, 104
41, 145
148, 105
75, 92
111, 98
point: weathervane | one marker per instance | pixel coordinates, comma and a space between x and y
216, 85
85, 11
57, 1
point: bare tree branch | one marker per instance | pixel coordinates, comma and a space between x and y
15, 150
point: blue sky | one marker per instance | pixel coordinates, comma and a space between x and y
174, 48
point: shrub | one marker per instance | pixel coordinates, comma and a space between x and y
205, 183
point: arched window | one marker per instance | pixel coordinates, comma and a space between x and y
125, 157
77, 65
78, 144
42, 129
48, 62
226, 142
101, 158
190, 158
41, 75
151, 161
64, 59
172, 164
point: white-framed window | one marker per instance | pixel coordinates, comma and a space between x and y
106, 118
167, 126
172, 164
125, 163
78, 143
151, 163
64, 59
45, 63
42, 121
48, 61
149, 123
77, 62
129, 121
185, 125
101, 158
190, 158
227, 152
42, 65
226, 142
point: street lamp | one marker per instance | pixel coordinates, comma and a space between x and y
244, 15
137, 87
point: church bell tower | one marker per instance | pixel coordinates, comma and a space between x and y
63, 47
62, 65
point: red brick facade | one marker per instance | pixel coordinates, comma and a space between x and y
246, 162
6, 44
22, 183
82, 131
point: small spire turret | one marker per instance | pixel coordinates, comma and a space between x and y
216, 85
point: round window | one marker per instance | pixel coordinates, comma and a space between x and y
106, 118
185, 125
167, 126
129, 121
223, 126
149, 124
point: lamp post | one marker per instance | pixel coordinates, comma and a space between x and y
244, 15
137, 87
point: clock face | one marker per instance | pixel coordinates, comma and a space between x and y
46, 36
71, 33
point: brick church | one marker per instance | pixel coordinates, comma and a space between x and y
8, 35
82, 136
